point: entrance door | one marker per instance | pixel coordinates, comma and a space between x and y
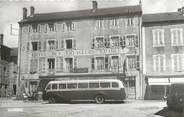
130, 87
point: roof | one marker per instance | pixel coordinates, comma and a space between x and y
82, 14
91, 80
168, 17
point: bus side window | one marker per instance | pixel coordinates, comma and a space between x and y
72, 86
105, 84
48, 87
54, 86
62, 86
83, 85
93, 85
115, 85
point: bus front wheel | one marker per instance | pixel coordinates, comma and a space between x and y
52, 100
99, 99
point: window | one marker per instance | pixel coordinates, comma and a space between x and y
70, 26
105, 85
177, 61
99, 42
100, 63
34, 27
130, 21
54, 86
99, 23
131, 40
115, 40
51, 27
72, 86
115, 85
159, 62
62, 86
177, 37
83, 85
51, 63
131, 60
42, 64
69, 44
114, 23
94, 85
35, 46
33, 65
158, 37
48, 87
51, 44
59, 64
114, 62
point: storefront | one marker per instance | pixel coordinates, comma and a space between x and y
157, 87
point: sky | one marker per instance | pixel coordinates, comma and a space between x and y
11, 10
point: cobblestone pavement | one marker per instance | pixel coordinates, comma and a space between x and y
130, 108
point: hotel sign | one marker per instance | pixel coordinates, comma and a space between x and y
80, 52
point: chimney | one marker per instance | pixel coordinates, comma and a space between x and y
24, 13
1, 39
95, 5
32, 11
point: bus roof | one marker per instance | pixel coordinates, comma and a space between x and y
91, 80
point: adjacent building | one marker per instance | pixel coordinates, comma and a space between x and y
86, 44
8, 69
163, 52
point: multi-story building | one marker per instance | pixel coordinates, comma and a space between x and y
4, 67
86, 44
163, 56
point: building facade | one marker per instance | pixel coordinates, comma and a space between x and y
163, 45
8, 70
87, 44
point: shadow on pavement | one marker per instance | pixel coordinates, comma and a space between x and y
165, 112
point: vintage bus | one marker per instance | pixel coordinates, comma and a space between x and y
100, 90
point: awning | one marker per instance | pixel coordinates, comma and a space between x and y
164, 81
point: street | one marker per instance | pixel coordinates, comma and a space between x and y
130, 108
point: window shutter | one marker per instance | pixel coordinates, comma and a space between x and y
93, 63
57, 45
136, 41
123, 41
44, 45
107, 42
75, 62
39, 45
62, 44
137, 63
28, 46
154, 39
106, 62
93, 43
74, 44
124, 66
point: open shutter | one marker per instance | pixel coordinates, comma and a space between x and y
75, 62
137, 63
106, 62
57, 45
93, 44
124, 66
62, 44
74, 44
136, 41
92, 63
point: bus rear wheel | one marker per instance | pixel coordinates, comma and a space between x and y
99, 99
52, 100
